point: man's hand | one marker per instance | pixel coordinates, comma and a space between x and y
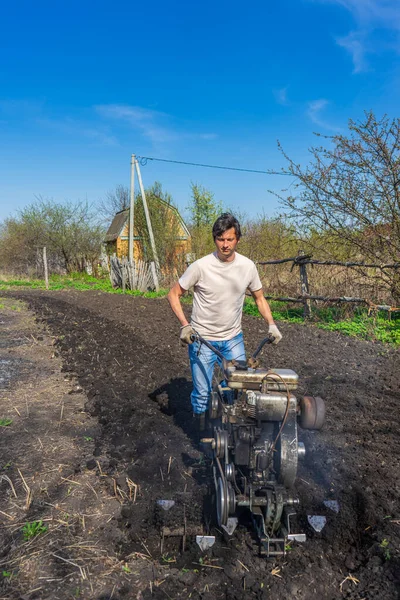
186, 334
273, 330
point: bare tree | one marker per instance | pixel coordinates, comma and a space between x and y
113, 202
349, 194
69, 231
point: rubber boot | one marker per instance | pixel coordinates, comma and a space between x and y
200, 425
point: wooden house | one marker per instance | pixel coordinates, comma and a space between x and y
117, 237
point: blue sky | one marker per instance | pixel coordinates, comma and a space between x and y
83, 85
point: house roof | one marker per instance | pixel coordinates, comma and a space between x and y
118, 222
176, 211
117, 225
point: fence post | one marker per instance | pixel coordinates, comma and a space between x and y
46, 272
305, 290
123, 275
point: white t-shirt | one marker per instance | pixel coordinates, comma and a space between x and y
219, 290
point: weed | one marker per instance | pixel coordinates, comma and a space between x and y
5, 422
31, 530
7, 574
385, 547
126, 569
201, 461
168, 559
185, 570
288, 547
6, 466
87, 438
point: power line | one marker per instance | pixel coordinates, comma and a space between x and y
144, 159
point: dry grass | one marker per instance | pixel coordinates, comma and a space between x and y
332, 281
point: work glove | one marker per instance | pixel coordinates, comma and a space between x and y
186, 333
273, 330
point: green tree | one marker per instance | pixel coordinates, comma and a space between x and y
203, 211
166, 225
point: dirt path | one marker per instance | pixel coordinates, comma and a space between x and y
124, 354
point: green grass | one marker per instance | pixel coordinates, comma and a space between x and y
75, 281
279, 310
333, 318
359, 325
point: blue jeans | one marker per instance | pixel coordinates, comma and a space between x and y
202, 365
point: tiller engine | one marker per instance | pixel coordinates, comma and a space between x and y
253, 441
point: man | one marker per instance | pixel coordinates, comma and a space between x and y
220, 281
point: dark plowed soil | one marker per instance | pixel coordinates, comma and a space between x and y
126, 356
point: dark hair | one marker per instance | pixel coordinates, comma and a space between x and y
223, 223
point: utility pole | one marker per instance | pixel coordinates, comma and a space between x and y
148, 221
132, 207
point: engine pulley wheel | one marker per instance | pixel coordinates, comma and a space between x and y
230, 471
312, 412
226, 501
222, 503
214, 405
221, 443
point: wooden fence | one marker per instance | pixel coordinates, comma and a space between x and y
133, 275
305, 297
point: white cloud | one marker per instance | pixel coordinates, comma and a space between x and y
281, 96
373, 13
152, 123
369, 16
314, 112
156, 126
76, 128
355, 44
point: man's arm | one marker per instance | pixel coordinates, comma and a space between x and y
173, 298
265, 312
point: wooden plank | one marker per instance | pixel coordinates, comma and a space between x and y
305, 291
155, 278
46, 272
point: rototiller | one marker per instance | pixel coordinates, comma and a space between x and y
253, 442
